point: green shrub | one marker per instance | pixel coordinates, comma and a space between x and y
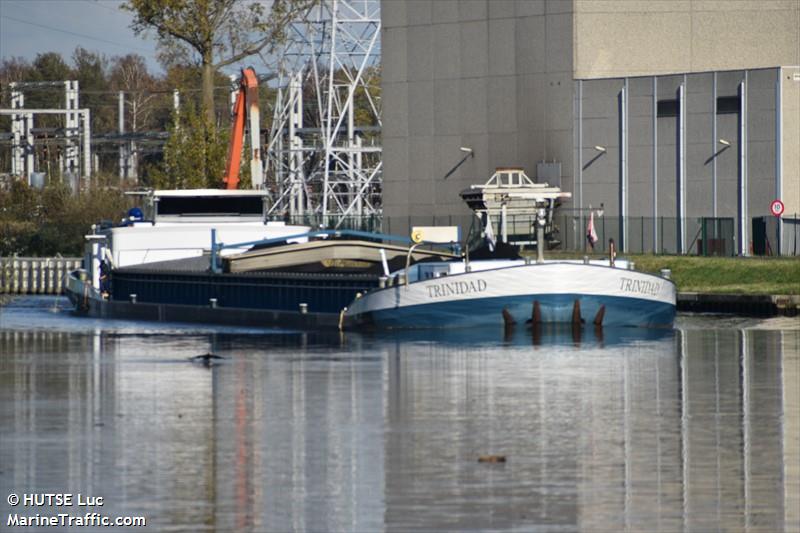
53, 221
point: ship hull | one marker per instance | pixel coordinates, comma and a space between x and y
547, 293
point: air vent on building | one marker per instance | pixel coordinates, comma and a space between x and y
668, 108
728, 104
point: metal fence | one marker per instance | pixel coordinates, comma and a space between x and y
706, 236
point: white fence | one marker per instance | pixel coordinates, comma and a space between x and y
35, 275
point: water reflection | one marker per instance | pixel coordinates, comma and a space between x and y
689, 429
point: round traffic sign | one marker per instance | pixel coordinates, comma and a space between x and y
776, 208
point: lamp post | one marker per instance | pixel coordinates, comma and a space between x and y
469, 152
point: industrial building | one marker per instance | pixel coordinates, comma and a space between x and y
675, 123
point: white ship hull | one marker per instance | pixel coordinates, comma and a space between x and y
610, 296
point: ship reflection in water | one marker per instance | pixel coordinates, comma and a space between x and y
692, 429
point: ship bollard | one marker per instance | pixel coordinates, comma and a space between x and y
666, 273
303, 308
132, 298
212, 302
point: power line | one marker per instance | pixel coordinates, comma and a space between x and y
97, 3
83, 35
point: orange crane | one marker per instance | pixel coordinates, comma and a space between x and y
246, 106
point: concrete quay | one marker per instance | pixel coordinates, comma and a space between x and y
740, 304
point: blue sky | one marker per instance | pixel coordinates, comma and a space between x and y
30, 27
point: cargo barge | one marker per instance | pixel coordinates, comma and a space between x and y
297, 285
187, 291
287, 276
358, 280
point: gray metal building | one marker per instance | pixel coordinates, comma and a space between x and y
681, 118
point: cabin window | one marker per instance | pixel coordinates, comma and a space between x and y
211, 205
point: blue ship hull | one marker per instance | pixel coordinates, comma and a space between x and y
498, 293
554, 308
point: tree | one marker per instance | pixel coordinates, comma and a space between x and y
50, 221
13, 69
216, 33
90, 71
129, 74
195, 153
49, 66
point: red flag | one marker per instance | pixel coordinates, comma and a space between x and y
591, 234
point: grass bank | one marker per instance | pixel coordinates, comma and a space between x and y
725, 275
717, 275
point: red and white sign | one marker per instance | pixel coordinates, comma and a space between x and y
776, 208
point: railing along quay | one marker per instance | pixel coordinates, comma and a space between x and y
35, 275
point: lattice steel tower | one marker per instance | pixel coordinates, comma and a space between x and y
323, 151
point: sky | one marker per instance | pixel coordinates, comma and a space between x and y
30, 27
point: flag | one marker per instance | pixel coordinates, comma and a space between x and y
591, 234
490, 240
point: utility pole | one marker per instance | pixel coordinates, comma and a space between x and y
123, 167
17, 102
72, 127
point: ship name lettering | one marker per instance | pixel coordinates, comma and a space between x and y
639, 286
456, 288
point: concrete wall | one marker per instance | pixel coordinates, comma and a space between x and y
491, 75
706, 159
790, 158
642, 37
499, 76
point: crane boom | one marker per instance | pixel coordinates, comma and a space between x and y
246, 106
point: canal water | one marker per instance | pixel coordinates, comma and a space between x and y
696, 428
